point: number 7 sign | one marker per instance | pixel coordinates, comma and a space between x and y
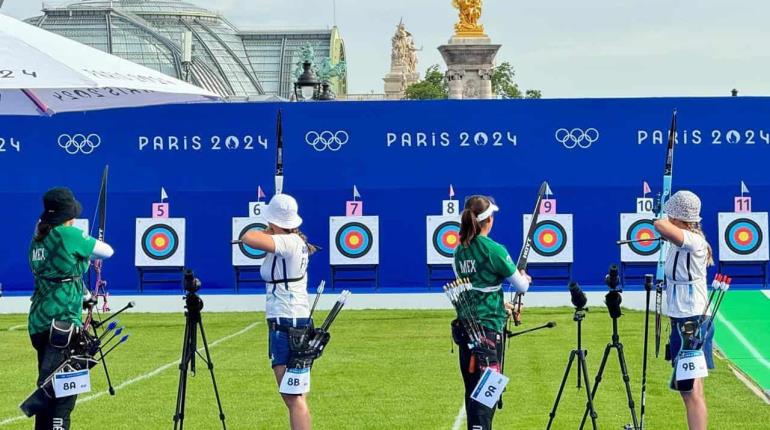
354, 208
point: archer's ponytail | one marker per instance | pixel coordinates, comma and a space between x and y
470, 226
696, 228
41, 230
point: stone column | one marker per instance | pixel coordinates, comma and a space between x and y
469, 63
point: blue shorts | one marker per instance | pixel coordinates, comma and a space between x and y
675, 340
278, 338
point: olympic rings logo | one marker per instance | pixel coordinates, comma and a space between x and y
79, 143
324, 140
577, 137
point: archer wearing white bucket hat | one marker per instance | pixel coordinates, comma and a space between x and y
686, 289
284, 270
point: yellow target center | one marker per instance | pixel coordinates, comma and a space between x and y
548, 238
452, 239
354, 240
743, 236
645, 235
160, 242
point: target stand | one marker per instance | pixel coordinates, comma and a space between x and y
160, 251
551, 256
247, 261
641, 257
743, 243
443, 236
354, 245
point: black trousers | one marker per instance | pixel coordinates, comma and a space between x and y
479, 416
57, 415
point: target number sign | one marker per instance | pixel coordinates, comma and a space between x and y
256, 209
450, 207
548, 207
354, 208
552, 238
443, 237
644, 205
160, 242
743, 236
354, 240
638, 227
160, 210
742, 204
244, 255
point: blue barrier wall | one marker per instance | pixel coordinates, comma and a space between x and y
401, 155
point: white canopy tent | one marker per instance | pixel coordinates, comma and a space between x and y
42, 73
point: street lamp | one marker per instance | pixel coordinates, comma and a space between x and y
326, 94
307, 84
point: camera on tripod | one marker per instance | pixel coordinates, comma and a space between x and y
191, 283
613, 298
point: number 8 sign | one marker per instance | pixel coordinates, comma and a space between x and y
450, 207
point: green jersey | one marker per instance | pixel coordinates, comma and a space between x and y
58, 263
486, 263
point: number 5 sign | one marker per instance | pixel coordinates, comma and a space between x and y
160, 210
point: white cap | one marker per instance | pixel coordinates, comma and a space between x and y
282, 211
684, 206
488, 213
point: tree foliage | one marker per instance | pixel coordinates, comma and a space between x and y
433, 86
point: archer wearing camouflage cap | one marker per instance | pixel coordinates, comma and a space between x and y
687, 260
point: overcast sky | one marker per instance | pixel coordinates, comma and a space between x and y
566, 48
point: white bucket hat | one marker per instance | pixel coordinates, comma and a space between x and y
282, 211
684, 206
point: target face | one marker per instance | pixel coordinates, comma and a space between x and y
551, 239
742, 236
443, 237
354, 240
160, 243
254, 254
645, 235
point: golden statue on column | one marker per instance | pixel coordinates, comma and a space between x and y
470, 13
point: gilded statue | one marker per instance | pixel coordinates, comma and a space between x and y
470, 13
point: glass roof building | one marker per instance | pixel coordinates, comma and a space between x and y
232, 63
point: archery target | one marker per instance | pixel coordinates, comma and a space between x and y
354, 240
638, 226
743, 236
551, 240
244, 255
82, 224
443, 236
160, 242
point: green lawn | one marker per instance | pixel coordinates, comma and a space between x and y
382, 370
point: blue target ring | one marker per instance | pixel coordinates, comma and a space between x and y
743, 236
354, 240
160, 242
446, 237
549, 238
639, 231
253, 253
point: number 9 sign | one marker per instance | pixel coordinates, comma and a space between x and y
548, 207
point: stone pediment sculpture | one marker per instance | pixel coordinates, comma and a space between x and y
403, 63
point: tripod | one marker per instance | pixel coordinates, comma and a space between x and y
582, 369
194, 304
617, 345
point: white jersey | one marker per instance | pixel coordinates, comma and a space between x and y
285, 275
687, 290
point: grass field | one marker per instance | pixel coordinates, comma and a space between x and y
382, 370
